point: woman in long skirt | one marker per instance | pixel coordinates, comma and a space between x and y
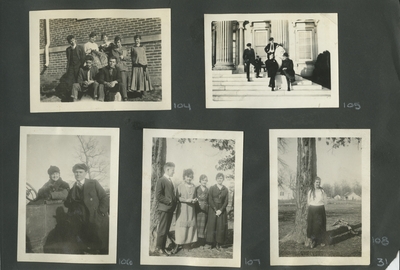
185, 225
316, 218
217, 224
140, 76
202, 209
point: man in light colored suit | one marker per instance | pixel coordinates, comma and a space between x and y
166, 199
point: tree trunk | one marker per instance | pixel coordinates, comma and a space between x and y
159, 156
306, 173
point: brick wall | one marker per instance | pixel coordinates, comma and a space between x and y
126, 28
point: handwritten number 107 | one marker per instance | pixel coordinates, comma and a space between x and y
250, 262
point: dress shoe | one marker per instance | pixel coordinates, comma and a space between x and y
161, 252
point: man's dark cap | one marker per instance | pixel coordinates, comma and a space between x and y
80, 166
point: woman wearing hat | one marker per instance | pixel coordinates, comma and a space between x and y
55, 188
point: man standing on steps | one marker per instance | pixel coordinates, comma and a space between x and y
249, 57
166, 199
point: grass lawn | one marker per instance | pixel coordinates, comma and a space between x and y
344, 244
197, 251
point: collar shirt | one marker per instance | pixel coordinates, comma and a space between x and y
320, 197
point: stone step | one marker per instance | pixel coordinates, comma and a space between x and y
266, 93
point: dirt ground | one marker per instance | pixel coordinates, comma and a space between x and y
343, 243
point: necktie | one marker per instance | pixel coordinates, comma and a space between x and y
111, 72
79, 184
88, 76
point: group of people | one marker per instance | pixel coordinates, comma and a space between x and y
271, 64
84, 228
201, 212
103, 71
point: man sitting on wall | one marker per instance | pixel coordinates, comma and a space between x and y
110, 80
86, 81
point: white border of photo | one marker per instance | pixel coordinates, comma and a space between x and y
274, 101
274, 134
36, 106
111, 257
145, 258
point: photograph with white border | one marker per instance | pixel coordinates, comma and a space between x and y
320, 196
68, 195
271, 60
191, 198
100, 60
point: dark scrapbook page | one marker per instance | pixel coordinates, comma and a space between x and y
200, 134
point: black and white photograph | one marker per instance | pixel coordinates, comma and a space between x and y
277, 60
100, 60
320, 197
68, 194
192, 197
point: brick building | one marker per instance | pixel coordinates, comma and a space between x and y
126, 28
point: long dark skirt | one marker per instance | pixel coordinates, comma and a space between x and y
217, 227
201, 224
316, 223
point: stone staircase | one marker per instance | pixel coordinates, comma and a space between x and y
229, 87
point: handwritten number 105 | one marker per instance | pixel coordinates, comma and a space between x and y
355, 105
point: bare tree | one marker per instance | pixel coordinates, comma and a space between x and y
93, 155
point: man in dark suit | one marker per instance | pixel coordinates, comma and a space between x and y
271, 47
166, 199
110, 80
287, 69
86, 80
248, 56
75, 59
272, 68
88, 209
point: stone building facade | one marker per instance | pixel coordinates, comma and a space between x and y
126, 28
303, 39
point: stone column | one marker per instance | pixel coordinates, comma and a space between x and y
224, 44
280, 32
213, 33
240, 67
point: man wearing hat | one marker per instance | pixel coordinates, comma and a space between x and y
55, 188
248, 56
287, 69
88, 207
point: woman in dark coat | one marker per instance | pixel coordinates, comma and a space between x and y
217, 224
201, 194
287, 69
272, 68
55, 188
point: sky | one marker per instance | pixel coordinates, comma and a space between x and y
56, 150
199, 156
333, 165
